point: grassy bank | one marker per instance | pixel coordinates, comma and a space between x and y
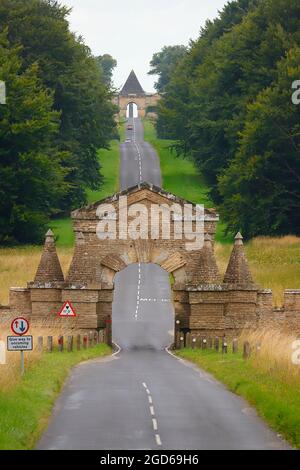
25, 405
179, 174
181, 177
265, 382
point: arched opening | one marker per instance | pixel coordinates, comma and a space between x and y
143, 311
132, 110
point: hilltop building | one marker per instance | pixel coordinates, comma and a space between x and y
133, 101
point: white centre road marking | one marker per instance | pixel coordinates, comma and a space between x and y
139, 154
152, 413
138, 298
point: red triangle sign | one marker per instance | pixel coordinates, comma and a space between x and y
67, 310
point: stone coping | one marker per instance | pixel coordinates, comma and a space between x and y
77, 214
221, 287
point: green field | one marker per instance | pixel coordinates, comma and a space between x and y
276, 399
179, 174
25, 406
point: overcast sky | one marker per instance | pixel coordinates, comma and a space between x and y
132, 30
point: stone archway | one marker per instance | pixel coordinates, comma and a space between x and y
143, 313
132, 110
204, 304
96, 262
132, 91
141, 252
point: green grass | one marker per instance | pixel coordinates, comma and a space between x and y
181, 177
110, 163
110, 169
63, 231
275, 400
26, 407
179, 174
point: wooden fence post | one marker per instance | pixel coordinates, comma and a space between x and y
217, 344
224, 347
91, 339
109, 331
60, 343
78, 342
204, 343
70, 343
181, 339
101, 336
96, 338
177, 339
209, 343
188, 340
247, 350
194, 340
235, 346
50, 344
85, 341
40, 345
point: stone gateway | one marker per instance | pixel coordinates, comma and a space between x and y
131, 94
204, 303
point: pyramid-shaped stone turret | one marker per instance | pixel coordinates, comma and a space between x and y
238, 271
207, 272
49, 269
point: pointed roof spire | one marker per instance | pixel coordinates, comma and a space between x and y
207, 271
239, 239
49, 269
238, 271
132, 86
77, 269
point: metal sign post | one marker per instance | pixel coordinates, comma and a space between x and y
22, 363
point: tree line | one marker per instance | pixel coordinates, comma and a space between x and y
58, 115
226, 101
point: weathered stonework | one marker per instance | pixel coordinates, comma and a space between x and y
204, 304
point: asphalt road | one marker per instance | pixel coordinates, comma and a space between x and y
143, 397
139, 161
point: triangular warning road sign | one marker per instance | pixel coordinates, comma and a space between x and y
67, 310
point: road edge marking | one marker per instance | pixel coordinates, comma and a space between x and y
119, 349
